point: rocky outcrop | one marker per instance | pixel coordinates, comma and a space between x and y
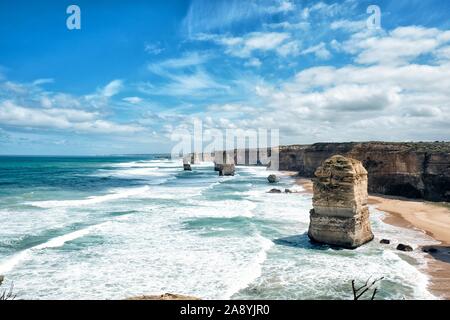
340, 216
404, 247
412, 170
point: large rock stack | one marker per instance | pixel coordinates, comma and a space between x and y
340, 216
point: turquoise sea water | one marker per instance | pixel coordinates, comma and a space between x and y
114, 227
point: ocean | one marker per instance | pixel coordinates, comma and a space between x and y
120, 226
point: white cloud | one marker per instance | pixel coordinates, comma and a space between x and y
195, 83
46, 102
185, 76
330, 10
132, 100
190, 59
348, 25
320, 51
353, 102
61, 119
291, 48
283, 6
253, 62
400, 46
153, 48
246, 45
42, 81
212, 16
443, 54
112, 88
302, 26
229, 107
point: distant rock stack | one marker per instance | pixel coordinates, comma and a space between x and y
186, 165
227, 169
340, 216
224, 163
217, 166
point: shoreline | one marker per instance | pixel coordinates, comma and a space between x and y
430, 218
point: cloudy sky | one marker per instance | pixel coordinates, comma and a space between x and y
138, 71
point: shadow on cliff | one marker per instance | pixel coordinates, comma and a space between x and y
302, 241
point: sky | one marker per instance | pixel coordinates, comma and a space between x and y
137, 72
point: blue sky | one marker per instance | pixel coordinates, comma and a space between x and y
138, 71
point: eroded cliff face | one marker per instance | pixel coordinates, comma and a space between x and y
413, 170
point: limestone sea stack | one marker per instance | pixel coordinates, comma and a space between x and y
186, 165
340, 216
227, 169
217, 166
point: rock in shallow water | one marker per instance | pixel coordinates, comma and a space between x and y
385, 241
186, 164
404, 247
275, 191
272, 178
340, 216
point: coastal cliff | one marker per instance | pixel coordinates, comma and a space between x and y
412, 170
418, 170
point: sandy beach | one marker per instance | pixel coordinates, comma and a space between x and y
428, 217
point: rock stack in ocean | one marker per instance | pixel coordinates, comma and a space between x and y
224, 163
217, 166
227, 169
186, 165
340, 216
